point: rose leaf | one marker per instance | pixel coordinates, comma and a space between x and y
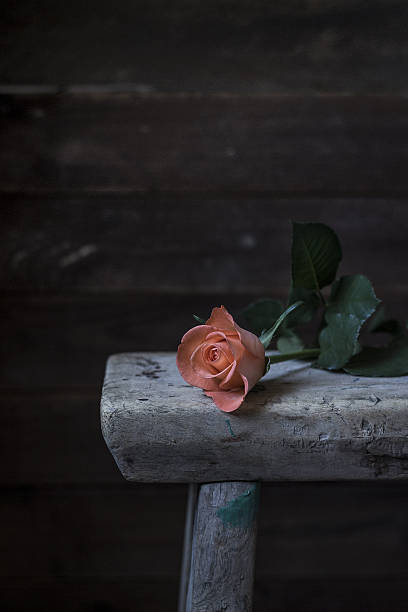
199, 319
316, 254
391, 360
268, 334
305, 313
262, 314
289, 342
352, 302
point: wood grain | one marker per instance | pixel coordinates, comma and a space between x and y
188, 143
92, 180
245, 47
153, 243
299, 423
223, 548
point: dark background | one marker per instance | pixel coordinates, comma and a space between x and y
152, 154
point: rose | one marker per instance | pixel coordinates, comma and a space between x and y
221, 358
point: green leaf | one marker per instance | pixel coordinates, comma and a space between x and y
338, 341
352, 302
199, 319
391, 360
305, 313
289, 341
267, 335
262, 315
316, 254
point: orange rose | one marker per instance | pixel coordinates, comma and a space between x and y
221, 358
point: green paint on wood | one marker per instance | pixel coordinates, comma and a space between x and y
241, 511
228, 422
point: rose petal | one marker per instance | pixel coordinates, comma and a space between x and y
251, 342
215, 336
205, 369
233, 380
236, 347
227, 383
221, 318
252, 368
199, 363
202, 363
228, 401
196, 335
225, 357
193, 338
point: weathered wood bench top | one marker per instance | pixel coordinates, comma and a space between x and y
298, 423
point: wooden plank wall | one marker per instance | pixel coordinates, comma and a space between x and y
152, 156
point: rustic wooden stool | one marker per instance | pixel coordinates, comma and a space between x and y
297, 424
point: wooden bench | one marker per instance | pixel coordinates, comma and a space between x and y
297, 424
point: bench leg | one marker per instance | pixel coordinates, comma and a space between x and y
219, 547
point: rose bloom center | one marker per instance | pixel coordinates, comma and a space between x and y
216, 357
214, 353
